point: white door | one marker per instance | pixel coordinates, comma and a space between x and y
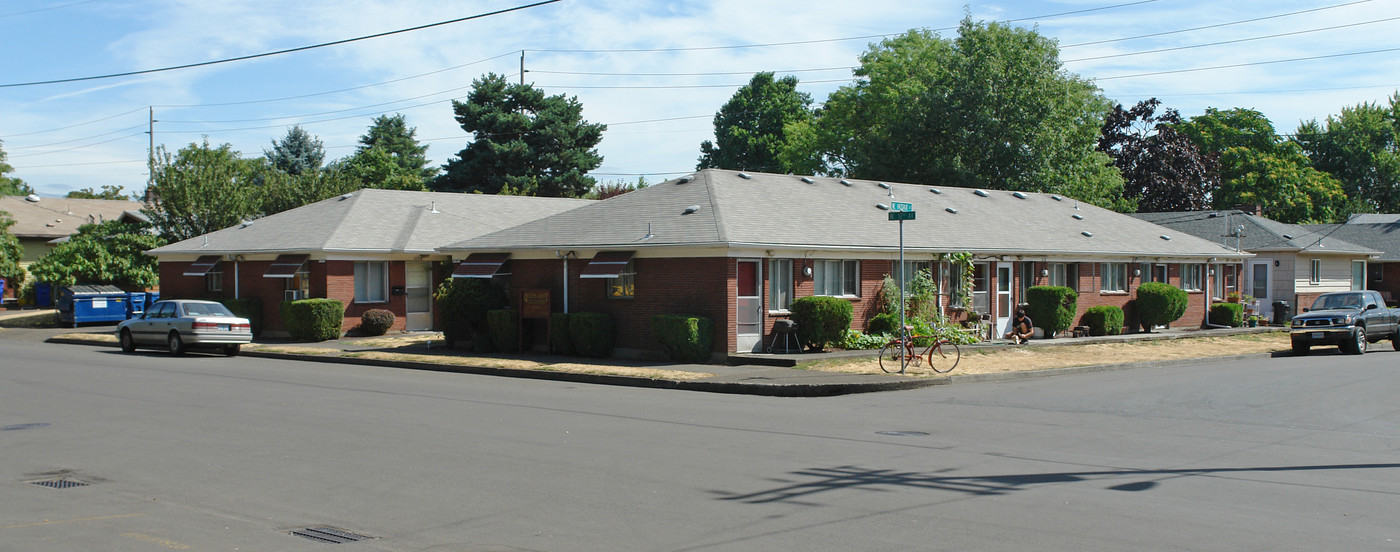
1258, 286
418, 290
749, 315
1004, 306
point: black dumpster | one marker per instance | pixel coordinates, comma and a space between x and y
1283, 312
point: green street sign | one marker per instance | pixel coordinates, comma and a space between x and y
901, 215
901, 206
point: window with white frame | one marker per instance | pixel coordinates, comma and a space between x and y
372, 282
836, 278
1114, 277
779, 284
1315, 273
1065, 274
1191, 277
1358, 275
214, 279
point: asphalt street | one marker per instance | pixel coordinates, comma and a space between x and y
211, 453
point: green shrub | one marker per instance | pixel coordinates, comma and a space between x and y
685, 338
821, 320
883, 323
1051, 308
250, 308
464, 302
1159, 303
504, 329
312, 319
1103, 320
853, 340
1227, 314
591, 333
559, 342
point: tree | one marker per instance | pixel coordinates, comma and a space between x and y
377, 167
750, 127
296, 153
523, 142
109, 252
200, 190
108, 192
1257, 167
992, 108
1361, 148
1162, 169
392, 135
10, 253
613, 188
274, 191
10, 185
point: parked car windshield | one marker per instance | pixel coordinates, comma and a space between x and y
206, 309
1339, 301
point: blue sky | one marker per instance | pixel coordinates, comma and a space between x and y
654, 71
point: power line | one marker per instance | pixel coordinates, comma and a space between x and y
1249, 64
286, 51
1217, 25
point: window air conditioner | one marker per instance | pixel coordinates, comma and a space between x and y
292, 295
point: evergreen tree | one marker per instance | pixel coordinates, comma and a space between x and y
296, 153
391, 134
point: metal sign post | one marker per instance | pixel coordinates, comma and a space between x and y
901, 212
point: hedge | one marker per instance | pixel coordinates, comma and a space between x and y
312, 319
1159, 303
559, 341
503, 327
250, 308
1051, 308
375, 322
464, 303
591, 333
1103, 320
883, 323
1227, 314
821, 320
685, 338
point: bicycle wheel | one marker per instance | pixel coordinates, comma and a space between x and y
890, 356
943, 357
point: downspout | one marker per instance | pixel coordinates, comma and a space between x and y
565, 257
235, 278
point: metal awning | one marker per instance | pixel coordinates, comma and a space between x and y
286, 266
480, 265
607, 264
203, 265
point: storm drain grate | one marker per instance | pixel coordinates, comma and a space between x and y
330, 535
59, 483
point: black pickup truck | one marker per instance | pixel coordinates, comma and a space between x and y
1347, 319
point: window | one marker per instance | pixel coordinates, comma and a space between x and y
371, 282
779, 284
301, 281
908, 271
1065, 274
1358, 275
1223, 282
837, 278
214, 279
981, 299
1191, 277
1114, 277
1375, 273
1315, 275
624, 286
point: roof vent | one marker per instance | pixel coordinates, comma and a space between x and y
245, 224
882, 206
1057, 198
982, 193
808, 180
691, 209
935, 190
745, 176
31, 198
1087, 234
1287, 237
346, 196
951, 210
1077, 216
847, 183
1019, 195
685, 179
1165, 237
883, 185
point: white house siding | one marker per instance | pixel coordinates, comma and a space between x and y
1336, 274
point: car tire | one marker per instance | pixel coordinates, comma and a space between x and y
128, 344
175, 344
1301, 349
230, 350
1358, 342
1395, 341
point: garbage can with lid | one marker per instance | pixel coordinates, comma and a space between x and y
1283, 312
86, 303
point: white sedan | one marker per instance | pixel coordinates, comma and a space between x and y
180, 324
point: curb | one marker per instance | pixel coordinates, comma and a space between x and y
727, 387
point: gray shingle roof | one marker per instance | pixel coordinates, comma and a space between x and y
53, 217
1373, 218
1259, 234
1384, 238
372, 220
793, 212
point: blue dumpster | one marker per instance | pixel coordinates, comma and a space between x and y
135, 304
83, 304
43, 295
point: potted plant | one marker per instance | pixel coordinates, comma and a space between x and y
1232, 297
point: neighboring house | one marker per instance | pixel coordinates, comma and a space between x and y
43, 222
1293, 263
1380, 232
371, 249
738, 248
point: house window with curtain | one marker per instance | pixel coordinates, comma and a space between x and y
1114, 278
624, 286
1065, 274
836, 278
300, 282
779, 284
1315, 273
214, 279
372, 282
1191, 277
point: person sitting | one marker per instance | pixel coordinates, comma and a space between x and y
1021, 328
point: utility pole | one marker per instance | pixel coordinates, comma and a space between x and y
151, 154
522, 67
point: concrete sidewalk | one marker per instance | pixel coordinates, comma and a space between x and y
754, 374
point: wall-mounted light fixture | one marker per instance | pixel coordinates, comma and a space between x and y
1275, 262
